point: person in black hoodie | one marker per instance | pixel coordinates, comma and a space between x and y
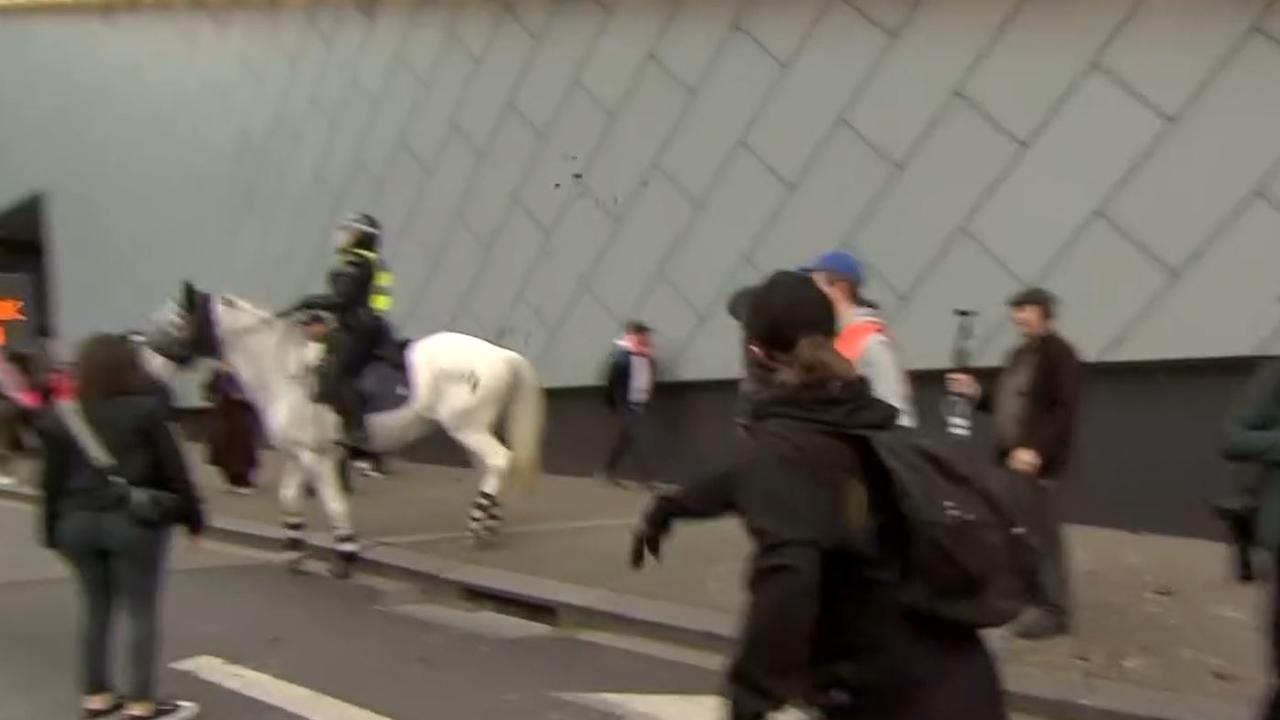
825, 627
118, 561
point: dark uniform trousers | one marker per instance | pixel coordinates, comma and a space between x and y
359, 335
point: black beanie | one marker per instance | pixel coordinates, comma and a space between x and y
786, 308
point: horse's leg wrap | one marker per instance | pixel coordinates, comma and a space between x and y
325, 473
294, 534
347, 551
485, 518
491, 458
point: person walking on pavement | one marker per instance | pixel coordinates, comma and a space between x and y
826, 626
861, 335
629, 384
118, 557
233, 431
1252, 435
1034, 405
359, 296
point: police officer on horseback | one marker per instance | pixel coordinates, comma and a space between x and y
359, 296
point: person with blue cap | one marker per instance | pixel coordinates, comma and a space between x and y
861, 334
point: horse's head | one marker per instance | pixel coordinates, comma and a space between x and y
184, 329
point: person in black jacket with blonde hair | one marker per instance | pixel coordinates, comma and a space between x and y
825, 627
118, 560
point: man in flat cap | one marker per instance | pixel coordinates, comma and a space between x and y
1033, 405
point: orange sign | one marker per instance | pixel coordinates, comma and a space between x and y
10, 311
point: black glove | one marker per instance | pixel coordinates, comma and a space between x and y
649, 535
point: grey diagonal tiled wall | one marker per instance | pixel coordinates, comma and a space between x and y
547, 169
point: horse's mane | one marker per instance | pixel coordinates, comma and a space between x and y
242, 304
289, 329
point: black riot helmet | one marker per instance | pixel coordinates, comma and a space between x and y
360, 231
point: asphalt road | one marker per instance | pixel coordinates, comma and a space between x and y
249, 641
375, 647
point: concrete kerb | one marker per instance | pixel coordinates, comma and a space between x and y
1055, 695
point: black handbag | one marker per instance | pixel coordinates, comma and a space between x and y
147, 506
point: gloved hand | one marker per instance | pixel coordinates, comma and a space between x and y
648, 536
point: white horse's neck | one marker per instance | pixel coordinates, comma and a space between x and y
261, 350
157, 365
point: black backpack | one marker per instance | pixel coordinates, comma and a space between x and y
964, 556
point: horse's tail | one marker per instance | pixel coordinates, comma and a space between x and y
526, 419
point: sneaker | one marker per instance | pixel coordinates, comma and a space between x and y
103, 712
170, 710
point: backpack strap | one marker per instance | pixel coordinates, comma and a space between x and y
72, 416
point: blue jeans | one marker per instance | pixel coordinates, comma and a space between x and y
118, 564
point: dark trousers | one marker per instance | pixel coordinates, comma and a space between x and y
118, 565
1273, 708
349, 349
633, 435
1050, 589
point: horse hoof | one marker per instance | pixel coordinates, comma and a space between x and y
340, 571
294, 563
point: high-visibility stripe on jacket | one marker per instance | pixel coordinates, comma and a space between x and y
383, 281
853, 339
852, 343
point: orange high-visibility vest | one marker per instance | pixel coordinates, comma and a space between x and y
854, 338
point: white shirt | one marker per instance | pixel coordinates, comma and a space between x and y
640, 389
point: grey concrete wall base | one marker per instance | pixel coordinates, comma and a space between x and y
1054, 695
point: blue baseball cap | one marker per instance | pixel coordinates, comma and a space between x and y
837, 262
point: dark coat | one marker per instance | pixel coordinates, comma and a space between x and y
233, 426
137, 431
1054, 397
824, 624
618, 376
1252, 435
350, 281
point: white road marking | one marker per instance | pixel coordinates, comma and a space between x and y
517, 530
291, 698
634, 706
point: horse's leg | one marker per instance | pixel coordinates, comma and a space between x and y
494, 460
325, 471
293, 477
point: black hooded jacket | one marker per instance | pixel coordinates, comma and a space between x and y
824, 626
350, 281
794, 433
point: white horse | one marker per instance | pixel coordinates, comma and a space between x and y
458, 381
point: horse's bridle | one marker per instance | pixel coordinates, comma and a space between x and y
193, 335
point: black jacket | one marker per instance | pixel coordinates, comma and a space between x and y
824, 624
618, 376
136, 430
1054, 397
350, 281
1252, 435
